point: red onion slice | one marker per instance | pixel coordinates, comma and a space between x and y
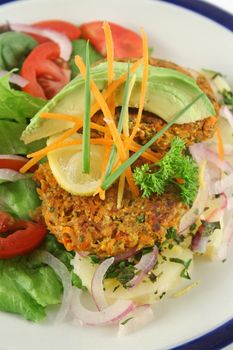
14, 78
139, 318
97, 290
10, 175
200, 152
196, 210
145, 265
112, 314
125, 255
62, 40
62, 271
222, 185
226, 113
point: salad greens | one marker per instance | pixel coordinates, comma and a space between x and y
79, 48
16, 107
14, 48
19, 198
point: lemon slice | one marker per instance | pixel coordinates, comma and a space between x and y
66, 166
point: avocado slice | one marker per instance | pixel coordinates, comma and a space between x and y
168, 91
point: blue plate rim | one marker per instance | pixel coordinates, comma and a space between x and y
221, 336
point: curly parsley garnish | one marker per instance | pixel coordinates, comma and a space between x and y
174, 167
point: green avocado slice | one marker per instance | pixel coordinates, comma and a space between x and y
168, 91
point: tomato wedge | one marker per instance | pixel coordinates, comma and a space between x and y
23, 237
126, 42
12, 162
46, 72
67, 28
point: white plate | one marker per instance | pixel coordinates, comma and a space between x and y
185, 38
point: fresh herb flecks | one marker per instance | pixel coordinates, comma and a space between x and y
184, 273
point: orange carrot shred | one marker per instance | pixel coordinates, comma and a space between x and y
220, 143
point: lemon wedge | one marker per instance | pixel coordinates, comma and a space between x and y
66, 166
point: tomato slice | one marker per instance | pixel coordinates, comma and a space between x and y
25, 237
67, 28
126, 42
44, 65
12, 162
6, 221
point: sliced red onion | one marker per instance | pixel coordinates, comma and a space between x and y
137, 319
62, 40
200, 152
199, 242
227, 114
10, 175
112, 314
13, 156
222, 185
97, 290
14, 78
125, 255
62, 271
230, 203
196, 210
145, 265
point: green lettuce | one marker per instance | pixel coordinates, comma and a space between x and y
27, 287
14, 48
79, 48
19, 198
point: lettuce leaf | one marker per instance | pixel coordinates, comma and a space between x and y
19, 198
27, 287
79, 48
17, 105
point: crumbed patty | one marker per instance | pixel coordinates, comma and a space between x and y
90, 224
98, 227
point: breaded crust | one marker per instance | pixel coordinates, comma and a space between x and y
90, 224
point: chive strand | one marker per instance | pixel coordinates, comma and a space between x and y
112, 178
120, 125
86, 123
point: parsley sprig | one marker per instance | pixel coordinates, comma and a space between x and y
174, 165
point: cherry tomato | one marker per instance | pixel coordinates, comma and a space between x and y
46, 72
126, 42
67, 28
12, 162
22, 236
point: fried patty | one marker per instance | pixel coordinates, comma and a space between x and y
90, 224
98, 227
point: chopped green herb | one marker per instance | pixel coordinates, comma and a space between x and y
156, 178
184, 273
227, 98
115, 288
152, 277
94, 259
209, 227
128, 319
162, 295
140, 218
123, 271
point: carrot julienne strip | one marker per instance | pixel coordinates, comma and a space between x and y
110, 51
107, 114
30, 164
143, 88
220, 144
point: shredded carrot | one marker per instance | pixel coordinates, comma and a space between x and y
30, 164
220, 144
143, 89
110, 51
180, 181
54, 146
149, 155
111, 123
